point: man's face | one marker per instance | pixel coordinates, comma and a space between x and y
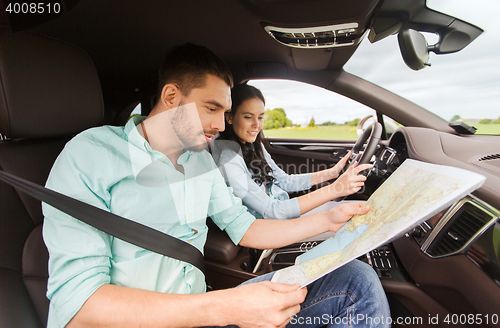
201, 113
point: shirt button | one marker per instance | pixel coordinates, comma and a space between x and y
147, 146
189, 241
189, 216
163, 160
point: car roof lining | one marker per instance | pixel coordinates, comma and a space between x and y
123, 35
128, 42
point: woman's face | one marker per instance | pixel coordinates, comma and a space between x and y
248, 119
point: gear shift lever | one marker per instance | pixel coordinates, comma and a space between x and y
265, 253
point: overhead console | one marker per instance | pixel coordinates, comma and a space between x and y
316, 37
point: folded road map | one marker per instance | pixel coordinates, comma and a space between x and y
412, 194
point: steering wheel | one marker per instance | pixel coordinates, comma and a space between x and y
372, 137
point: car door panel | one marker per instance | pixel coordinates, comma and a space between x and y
296, 156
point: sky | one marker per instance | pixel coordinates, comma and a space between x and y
466, 83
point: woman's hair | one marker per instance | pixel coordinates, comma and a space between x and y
252, 152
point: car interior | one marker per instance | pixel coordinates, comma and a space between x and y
82, 64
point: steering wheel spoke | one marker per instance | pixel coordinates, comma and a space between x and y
354, 158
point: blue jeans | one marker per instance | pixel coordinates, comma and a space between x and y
351, 296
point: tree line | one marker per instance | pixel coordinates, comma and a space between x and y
483, 121
276, 118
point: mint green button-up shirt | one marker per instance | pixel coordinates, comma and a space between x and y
115, 169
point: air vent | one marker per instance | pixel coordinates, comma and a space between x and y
316, 37
459, 231
490, 157
488, 162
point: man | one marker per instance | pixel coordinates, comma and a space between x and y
156, 171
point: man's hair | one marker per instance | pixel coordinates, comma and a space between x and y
187, 66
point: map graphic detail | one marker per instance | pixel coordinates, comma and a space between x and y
412, 194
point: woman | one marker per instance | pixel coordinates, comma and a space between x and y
255, 177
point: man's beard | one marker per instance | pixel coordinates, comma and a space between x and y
188, 128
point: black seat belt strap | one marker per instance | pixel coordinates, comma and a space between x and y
112, 224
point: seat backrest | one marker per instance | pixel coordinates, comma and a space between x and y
49, 91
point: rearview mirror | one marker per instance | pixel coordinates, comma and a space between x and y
414, 49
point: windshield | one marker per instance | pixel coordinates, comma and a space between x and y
458, 86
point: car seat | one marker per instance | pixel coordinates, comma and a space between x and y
49, 91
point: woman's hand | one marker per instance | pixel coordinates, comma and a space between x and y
334, 172
350, 182
339, 215
331, 173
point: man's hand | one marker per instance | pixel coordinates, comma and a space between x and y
339, 215
266, 304
350, 182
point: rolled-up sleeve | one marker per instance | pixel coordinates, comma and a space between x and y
79, 255
227, 211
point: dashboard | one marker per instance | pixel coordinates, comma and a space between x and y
470, 223
455, 255
449, 265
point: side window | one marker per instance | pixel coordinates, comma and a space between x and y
303, 111
136, 112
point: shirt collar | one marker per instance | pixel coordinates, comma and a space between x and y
136, 139
133, 135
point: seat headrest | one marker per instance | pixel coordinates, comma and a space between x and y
48, 88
